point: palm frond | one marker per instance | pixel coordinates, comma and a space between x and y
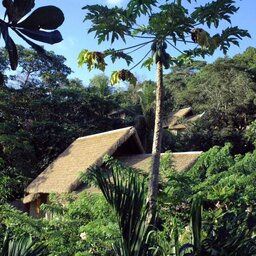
124, 189
24, 246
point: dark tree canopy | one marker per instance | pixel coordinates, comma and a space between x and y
41, 113
225, 91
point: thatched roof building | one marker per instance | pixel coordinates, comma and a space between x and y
179, 120
63, 175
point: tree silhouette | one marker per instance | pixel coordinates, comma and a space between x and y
34, 26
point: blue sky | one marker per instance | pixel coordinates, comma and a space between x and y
75, 37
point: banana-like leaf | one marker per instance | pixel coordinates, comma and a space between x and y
46, 17
10, 46
196, 220
51, 37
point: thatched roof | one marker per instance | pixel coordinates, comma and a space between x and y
29, 198
182, 161
172, 119
63, 174
185, 115
177, 127
124, 144
182, 112
195, 117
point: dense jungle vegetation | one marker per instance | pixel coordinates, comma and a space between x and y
206, 210
43, 111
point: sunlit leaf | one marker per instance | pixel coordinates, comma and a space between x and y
114, 78
92, 59
148, 63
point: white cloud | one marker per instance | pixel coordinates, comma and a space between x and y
114, 2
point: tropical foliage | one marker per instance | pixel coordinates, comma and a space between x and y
86, 226
21, 246
225, 92
124, 190
42, 112
208, 209
144, 21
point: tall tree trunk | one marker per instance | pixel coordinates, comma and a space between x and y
156, 148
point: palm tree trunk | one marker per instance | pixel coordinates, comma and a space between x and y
156, 148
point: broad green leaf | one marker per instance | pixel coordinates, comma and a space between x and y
148, 63
141, 7
118, 23
118, 55
213, 12
229, 36
176, 23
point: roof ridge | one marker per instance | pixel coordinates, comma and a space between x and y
104, 133
175, 153
187, 152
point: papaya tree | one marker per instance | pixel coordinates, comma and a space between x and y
34, 26
159, 27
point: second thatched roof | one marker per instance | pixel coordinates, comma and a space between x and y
180, 119
181, 161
